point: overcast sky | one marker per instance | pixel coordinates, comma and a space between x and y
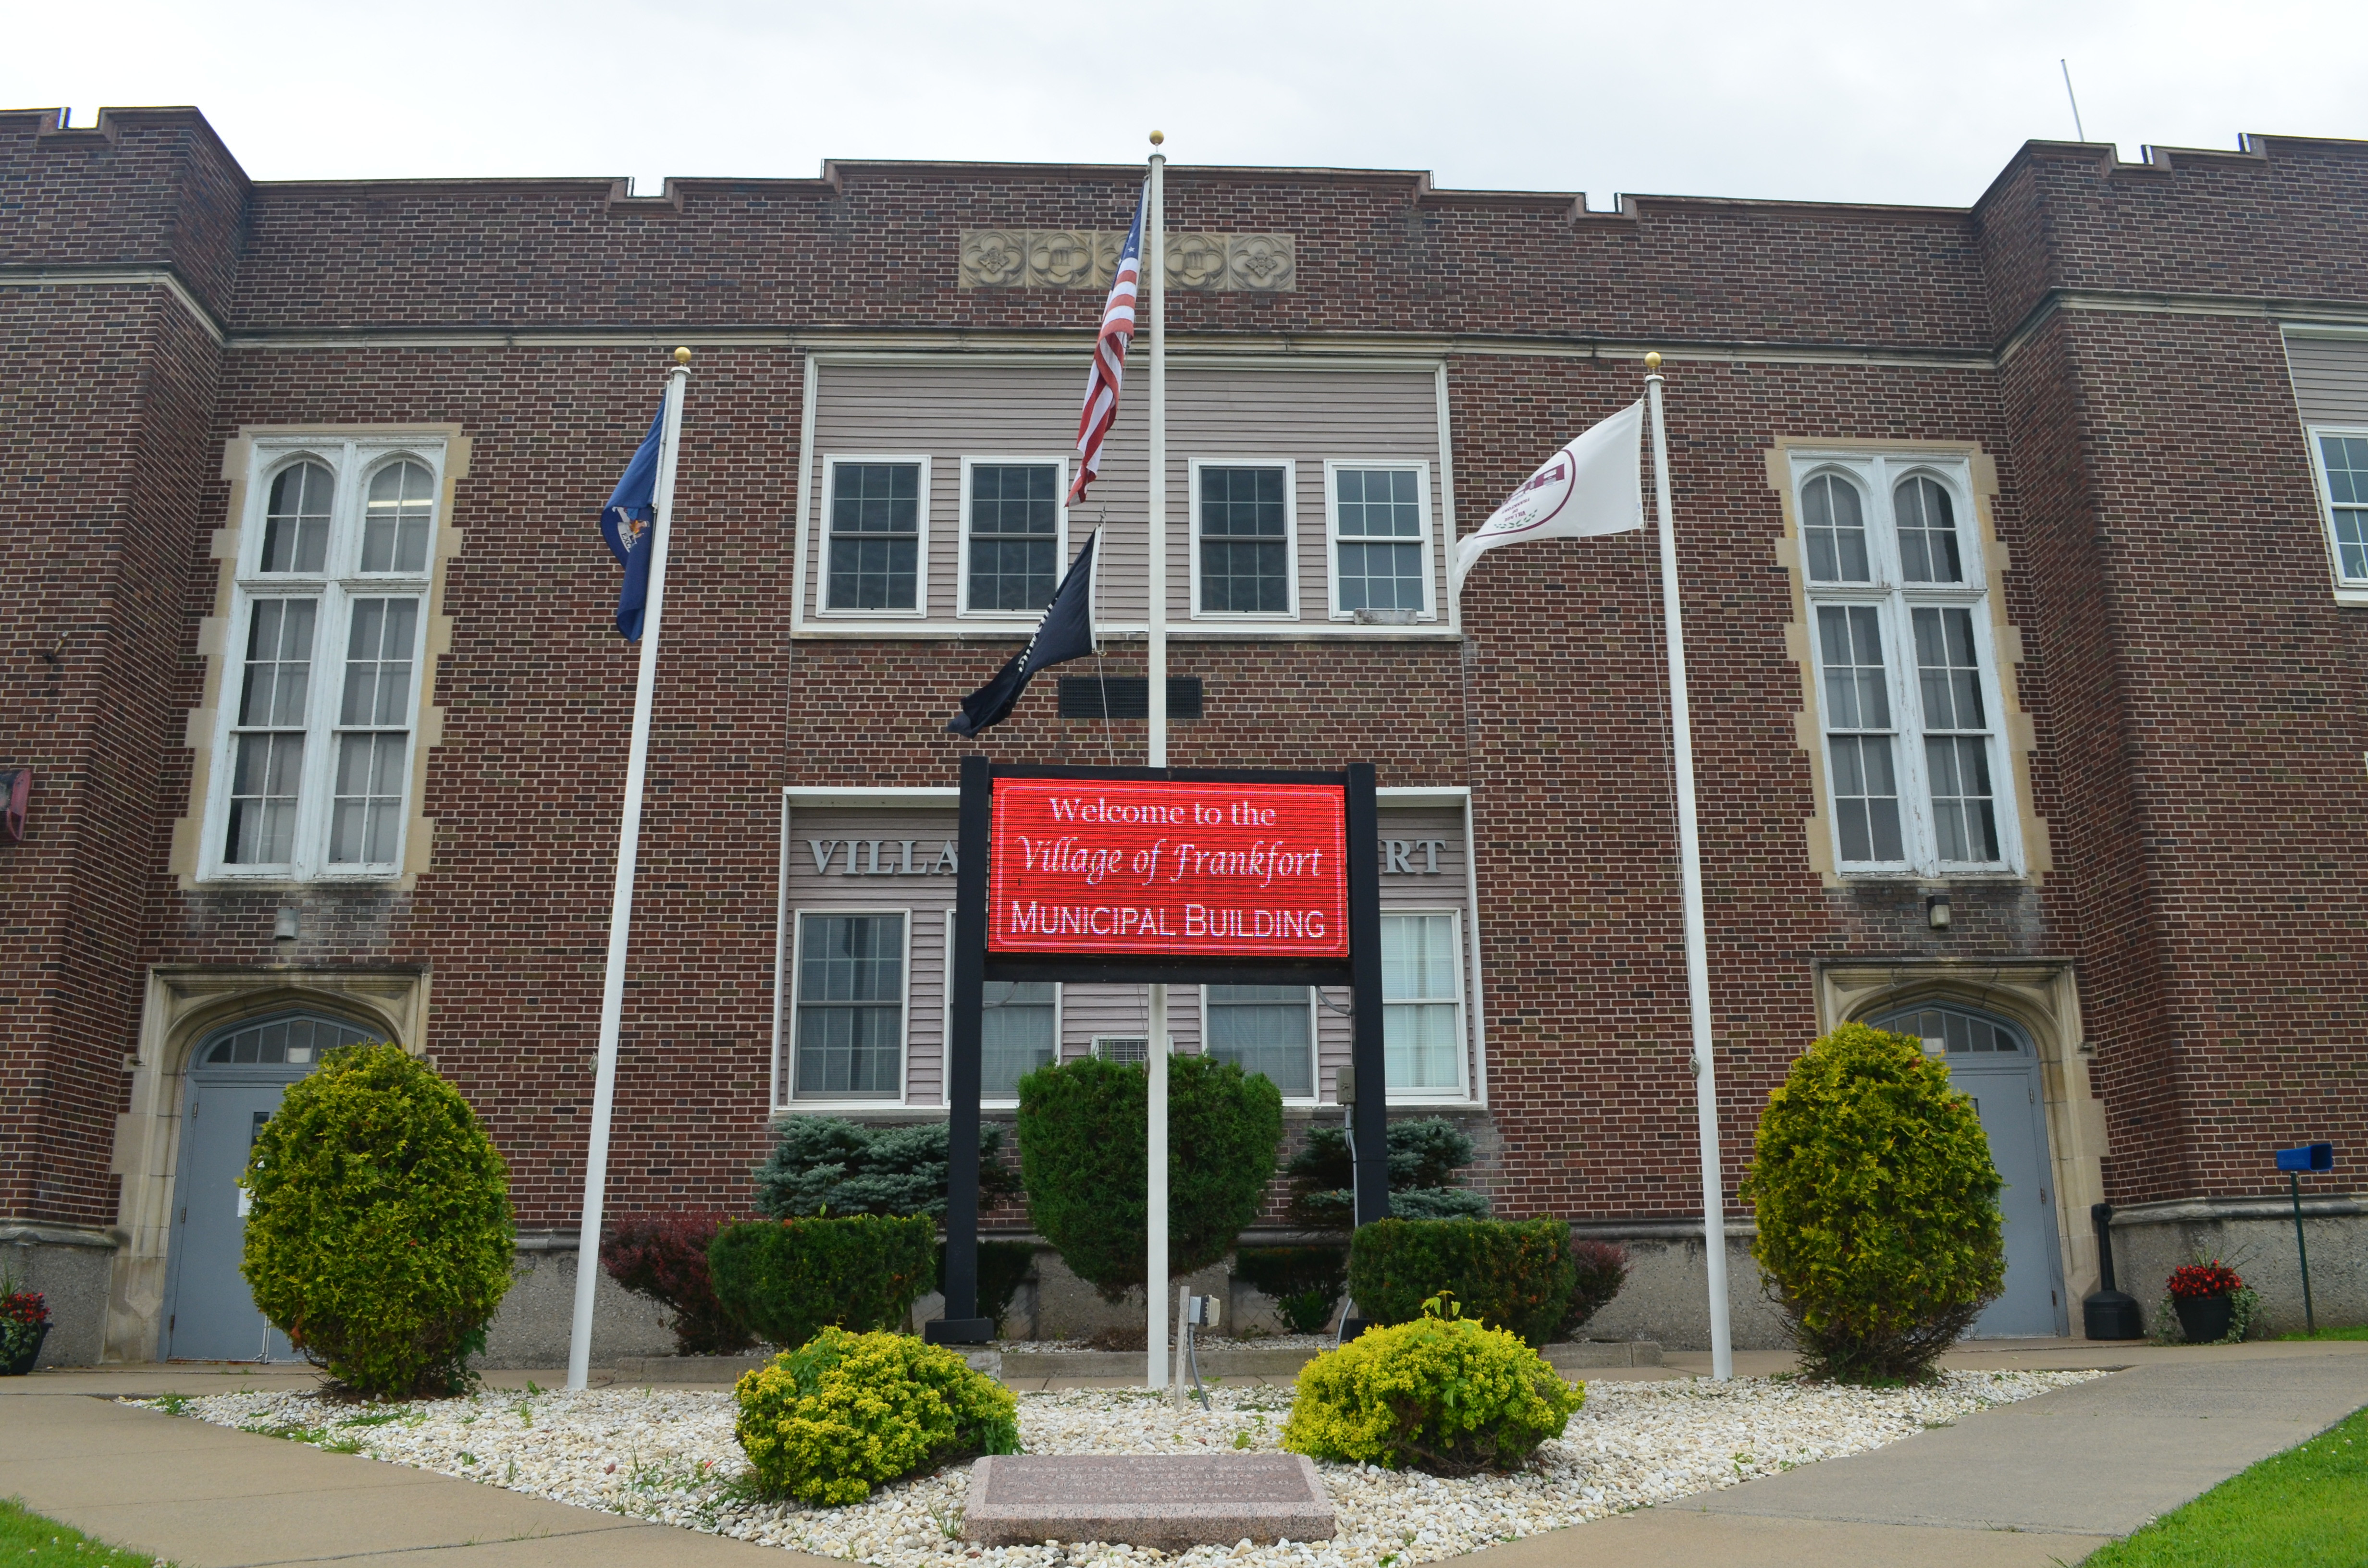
1857, 102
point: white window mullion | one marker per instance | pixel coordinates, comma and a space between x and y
320, 732
1907, 714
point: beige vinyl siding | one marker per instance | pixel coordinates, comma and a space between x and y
947, 410
2330, 378
1086, 1010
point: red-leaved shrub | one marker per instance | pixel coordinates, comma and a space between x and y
2191, 1280
663, 1257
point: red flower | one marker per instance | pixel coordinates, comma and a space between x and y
26, 1307
2193, 1280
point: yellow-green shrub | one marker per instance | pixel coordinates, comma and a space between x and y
1443, 1392
845, 1413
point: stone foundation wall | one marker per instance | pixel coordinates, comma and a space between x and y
69, 1268
2255, 1238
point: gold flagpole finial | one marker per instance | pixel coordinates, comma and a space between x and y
1157, 137
682, 356
1653, 361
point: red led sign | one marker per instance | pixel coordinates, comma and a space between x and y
1167, 868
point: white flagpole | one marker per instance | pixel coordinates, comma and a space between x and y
1722, 1351
1154, 269
620, 912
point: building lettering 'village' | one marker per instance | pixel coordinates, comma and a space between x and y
2024, 550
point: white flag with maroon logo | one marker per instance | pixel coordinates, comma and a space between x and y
1594, 486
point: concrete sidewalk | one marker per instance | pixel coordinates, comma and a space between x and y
2026, 1485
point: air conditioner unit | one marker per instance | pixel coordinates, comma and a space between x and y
1133, 1048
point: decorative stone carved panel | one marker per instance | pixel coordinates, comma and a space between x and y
1082, 258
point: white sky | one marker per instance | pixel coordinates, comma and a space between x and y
1819, 100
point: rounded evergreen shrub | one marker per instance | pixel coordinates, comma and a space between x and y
1083, 1159
845, 1413
790, 1279
379, 1236
1442, 1392
827, 1164
1305, 1282
1879, 1231
1516, 1275
663, 1258
1424, 1156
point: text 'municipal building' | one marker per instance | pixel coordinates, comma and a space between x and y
2025, 557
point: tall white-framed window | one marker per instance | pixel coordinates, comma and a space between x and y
875, 528
1264, 1028
1019, 1031
311, 775
1014, 535
1422, 1005
1245, 540
1377, 518
850, 1004
1905, 668
2339, 459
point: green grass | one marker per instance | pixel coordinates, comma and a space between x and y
2305, 1508
29, 1540
2357, 1330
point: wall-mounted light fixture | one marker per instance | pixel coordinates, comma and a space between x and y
1936, 912
283, 926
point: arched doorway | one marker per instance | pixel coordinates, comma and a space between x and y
1993, 1062
236, 1078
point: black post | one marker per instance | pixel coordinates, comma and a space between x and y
965, 988
2294, 1187
1370, 1115
2109, 1313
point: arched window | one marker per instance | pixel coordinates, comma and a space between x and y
1958, 1031
296, 524
1928, 531
394, 528
295, 1041
1835, 525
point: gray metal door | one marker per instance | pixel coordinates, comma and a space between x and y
1990, 1060
236, 1081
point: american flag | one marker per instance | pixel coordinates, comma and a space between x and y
1109, 357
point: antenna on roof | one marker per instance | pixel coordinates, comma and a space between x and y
2078, 133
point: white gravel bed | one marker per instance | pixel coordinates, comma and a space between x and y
670, 1457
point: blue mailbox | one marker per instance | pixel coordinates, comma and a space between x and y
2309, 1157
2297, 1164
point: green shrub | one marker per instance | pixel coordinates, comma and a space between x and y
380, 1236
1879, 1231
1442, 1392
827, 1164
1002, 1269
845, 1413
1515, 1275
1599, 1269
789, 1279
1305, 1282
1424, 1156
663, 1258
1082, 1156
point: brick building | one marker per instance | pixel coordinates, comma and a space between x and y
2024, 549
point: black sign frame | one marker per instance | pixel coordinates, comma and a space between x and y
971, 966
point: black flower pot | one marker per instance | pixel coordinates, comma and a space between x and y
2204, 1318
27, 1357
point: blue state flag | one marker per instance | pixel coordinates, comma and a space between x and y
625, 524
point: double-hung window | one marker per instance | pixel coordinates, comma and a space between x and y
876, 550
1264, 1028
321, 695
2341, 457
1012, 535
1381, 537
1906, 675
851, 970
1243, 536
1019, 1031
1422, 1006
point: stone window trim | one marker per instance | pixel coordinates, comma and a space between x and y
1788, 464
183, 1006
2339, 518
1289, 469
1425, 541
250, 460
1062, 548
2042, 997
